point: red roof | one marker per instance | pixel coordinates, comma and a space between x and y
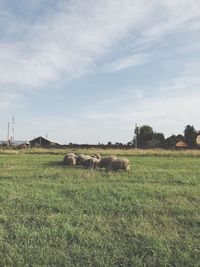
181, 144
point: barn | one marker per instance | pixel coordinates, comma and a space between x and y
42, 142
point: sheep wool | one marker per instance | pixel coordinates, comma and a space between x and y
105, 162
91, 163
117, 164
81, 159
70, 161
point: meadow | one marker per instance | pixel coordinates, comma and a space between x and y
53, 215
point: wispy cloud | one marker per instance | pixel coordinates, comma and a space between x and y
171, 15
127, 62
69, 39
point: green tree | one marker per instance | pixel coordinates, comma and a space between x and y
159, 137
170, 142
142, 135
190, 135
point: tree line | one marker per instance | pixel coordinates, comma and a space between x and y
146, 137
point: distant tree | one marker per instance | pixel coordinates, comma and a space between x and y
130, 144
118, 144
170, 142
142, 135
179, 137
135, 137
190, 135
159, 137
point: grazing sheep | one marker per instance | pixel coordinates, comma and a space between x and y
97, 156
117, 164
81, 158
105, 162
71, 155
91, 163
68, 155
70, 161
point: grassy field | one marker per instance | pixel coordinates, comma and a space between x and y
51, 215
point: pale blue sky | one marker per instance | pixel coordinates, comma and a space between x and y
86, 71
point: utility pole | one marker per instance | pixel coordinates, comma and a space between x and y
13, 131
8, 135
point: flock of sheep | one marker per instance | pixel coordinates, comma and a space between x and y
95, 161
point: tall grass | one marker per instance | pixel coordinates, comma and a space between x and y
106, 151
51, 215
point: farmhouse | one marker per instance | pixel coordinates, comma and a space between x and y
181, 145
42, 142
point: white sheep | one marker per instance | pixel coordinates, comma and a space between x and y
91, 163
71, 155
70, 161
117, 164
105, 162
81, 159
67, 156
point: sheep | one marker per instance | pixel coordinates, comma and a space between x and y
91, 163
70, 161
105, 162
67, 156
94, 163
81, 158
118, 164
71, 155
97, 156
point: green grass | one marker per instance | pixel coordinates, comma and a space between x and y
52, 215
